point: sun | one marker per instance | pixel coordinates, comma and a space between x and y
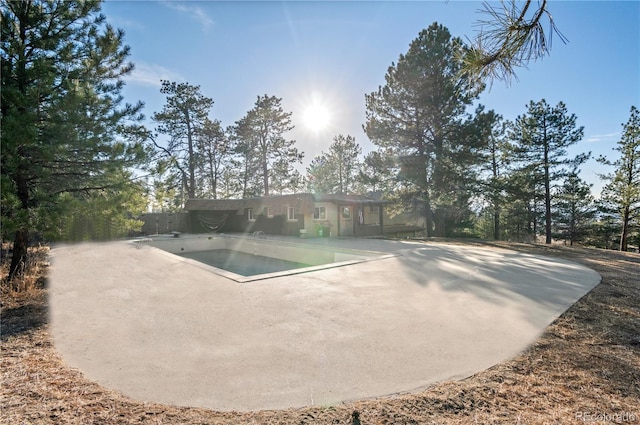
316, 117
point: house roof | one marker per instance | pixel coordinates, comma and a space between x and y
303, 202
347, 199
277, 203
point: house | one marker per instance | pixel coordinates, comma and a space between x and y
297, 214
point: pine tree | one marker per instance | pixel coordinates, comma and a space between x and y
511, 37
524, 197
103, 215
285, 178
420, 116
377, 173
182, 118
336, 171
65, 129
542, 137
574, 208
246, 161
495, 160
260, 141
623, 188
213, 150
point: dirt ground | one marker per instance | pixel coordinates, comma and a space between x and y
585, 368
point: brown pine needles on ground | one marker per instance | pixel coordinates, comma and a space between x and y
585, 367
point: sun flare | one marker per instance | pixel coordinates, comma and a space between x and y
316, 117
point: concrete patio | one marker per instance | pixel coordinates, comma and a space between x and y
160, 329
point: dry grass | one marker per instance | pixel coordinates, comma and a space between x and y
586, 363
32, 278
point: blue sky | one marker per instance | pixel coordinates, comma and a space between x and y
334, 52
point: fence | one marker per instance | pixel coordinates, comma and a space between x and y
157, 223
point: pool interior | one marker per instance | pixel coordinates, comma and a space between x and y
242, 263
244, 259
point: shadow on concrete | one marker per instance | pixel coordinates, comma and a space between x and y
496, 275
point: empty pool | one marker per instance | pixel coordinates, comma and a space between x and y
242, 263
244, 258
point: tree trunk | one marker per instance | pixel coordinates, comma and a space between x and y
428, 222
547, 209
21, 240
627, 209
245, 175
191, 190
547, 192
341, 184
440, 223
265, 173
19, 259
572, 232
494, 189
533, 212
213, 176
625, 228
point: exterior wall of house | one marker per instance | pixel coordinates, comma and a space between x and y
334, 217
241, 223
368, 230
371, 214
229, 221
313, 225
367, 220
291, 227
346, 215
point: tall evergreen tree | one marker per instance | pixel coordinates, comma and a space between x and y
542, 136
182, 118
524, 197
230, 185
494, 165
320, 177
377, 173
420, 115
285, 178
246, 162
165, 191
102, 215
336, 171
261, 141
623, 188
213, 150
605, 230
65, 129
574, 208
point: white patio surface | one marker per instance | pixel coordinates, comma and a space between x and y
160, 329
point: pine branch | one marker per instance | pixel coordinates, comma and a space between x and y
512, 40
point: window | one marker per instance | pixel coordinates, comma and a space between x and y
346, 213
251, 216
320, 213
267, 211
373, 209
291, 213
